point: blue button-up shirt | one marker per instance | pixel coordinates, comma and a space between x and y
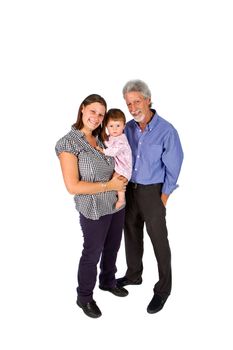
157, 153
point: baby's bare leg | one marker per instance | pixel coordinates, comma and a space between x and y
121, 196
121, 199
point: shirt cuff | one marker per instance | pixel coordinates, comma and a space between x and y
168, 188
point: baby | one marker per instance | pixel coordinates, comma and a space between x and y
117, 147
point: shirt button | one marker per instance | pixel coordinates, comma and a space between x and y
135, 169
138, 156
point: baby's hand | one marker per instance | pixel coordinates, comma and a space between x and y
98, 148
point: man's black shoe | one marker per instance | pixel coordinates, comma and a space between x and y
156, 304
119, 292
90, 309
124, 281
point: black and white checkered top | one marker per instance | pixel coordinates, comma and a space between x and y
94, 167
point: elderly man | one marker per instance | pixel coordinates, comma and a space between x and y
157, 158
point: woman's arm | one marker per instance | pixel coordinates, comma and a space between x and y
70, 172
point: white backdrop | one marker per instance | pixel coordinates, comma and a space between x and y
54, 54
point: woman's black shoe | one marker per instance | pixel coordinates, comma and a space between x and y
90, 309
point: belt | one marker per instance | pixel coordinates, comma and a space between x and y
135, 185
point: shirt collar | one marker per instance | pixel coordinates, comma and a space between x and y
80, 135
77, 132
152, 122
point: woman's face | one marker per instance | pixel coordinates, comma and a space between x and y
93, 115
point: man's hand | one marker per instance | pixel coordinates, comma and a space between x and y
164, 198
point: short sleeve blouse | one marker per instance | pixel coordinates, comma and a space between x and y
93, 167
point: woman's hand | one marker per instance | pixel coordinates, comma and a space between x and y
121, 177
117, 183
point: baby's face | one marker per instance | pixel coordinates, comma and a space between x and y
115, 127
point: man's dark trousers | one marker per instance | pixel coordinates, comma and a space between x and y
144, 206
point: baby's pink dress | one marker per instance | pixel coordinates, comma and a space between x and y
119, 148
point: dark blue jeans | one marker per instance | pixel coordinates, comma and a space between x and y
102, 238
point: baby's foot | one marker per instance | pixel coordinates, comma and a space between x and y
119, 204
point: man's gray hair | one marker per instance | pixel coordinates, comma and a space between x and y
137, 86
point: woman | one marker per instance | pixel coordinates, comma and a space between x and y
88, 174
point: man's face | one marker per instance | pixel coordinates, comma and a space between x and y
138, 105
